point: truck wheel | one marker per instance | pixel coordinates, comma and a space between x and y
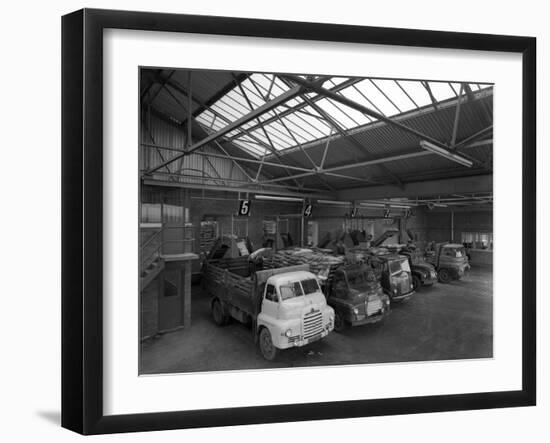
217, 313
417, 284
269, 351
339, 322
444, 276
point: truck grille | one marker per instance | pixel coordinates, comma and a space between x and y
313, 324
373, 307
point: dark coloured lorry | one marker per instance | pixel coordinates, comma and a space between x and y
355, 294
450, 261
396, 275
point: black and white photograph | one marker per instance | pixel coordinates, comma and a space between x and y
296, 220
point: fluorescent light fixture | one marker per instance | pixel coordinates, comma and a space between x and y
278, 198
445, 153
373, 205
384, 205
334, 202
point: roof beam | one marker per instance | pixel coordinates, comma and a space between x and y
371, 162
358, 107
266, 107
282, 192
296, 108
458, 185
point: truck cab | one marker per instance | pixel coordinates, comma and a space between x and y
423, 273
396, 275
450, 260
293, 313
356, 296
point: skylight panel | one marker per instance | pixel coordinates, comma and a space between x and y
456, 88
298, 131
284, 130
252, 149
279, 87
237, 101
252, 94
376, 98
353, 94
337, 80
224, 111
233, 107
359, 117
263, 82
416, 91
396, 94
441, 90
312, 126
278, 134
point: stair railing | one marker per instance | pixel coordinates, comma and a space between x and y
146, 258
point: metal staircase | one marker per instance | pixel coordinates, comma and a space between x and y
151, 262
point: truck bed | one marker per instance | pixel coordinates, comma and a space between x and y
227, 280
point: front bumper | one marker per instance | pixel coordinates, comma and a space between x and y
401, 297
297, 340
359, 320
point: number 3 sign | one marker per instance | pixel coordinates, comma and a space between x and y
244, 207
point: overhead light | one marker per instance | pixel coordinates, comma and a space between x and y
385, 205
278, 198
445, 153
373, 205
334, 202
432, 205
400, 206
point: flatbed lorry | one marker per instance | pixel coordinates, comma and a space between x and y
284, 307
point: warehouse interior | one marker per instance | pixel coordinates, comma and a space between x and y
289, 162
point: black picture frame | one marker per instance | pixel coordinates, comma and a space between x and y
82, 240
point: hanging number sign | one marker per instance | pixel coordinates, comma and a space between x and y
408, 213
387, 213
353, 212
244, 207
308, 209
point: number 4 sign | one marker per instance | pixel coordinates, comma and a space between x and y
308, 210
244, 207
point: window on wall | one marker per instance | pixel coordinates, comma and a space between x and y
478, 240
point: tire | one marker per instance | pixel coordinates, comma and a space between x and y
339, 322
268, 350
444, 276
218, 315
417, 284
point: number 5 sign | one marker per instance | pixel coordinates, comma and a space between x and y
244, 207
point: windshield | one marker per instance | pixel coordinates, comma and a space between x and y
310, 286
455, 252
357, 279
399, 265
296, 289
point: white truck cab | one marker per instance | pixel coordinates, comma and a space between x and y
293, 313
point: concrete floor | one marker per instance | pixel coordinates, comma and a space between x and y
442, 322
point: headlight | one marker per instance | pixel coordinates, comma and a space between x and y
394, 290
355, 311
288, 332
